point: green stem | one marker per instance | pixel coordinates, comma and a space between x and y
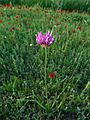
45, 75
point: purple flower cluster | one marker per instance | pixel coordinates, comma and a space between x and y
44, 40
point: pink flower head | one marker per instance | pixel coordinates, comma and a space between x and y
44, 40
40, 38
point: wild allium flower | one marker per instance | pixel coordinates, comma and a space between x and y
44, 40
40, 38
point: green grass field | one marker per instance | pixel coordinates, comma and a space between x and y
22, 88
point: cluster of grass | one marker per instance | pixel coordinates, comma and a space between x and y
81, 5
22, 88
42, 3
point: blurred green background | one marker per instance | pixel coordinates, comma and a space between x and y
81, 5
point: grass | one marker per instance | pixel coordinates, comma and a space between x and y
22, 88
76, 5
80, 5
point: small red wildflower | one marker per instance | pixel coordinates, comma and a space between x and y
10, 30
52, 75
17, 16
30, 18
29, 24
8, 6
79, 28
73, 30
1, 13
65, 26
13, 28
17, 21
0, 20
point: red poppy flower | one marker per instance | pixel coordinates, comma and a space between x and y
52, 75
0, 20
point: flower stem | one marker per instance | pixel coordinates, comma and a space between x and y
53, 29
46, 92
